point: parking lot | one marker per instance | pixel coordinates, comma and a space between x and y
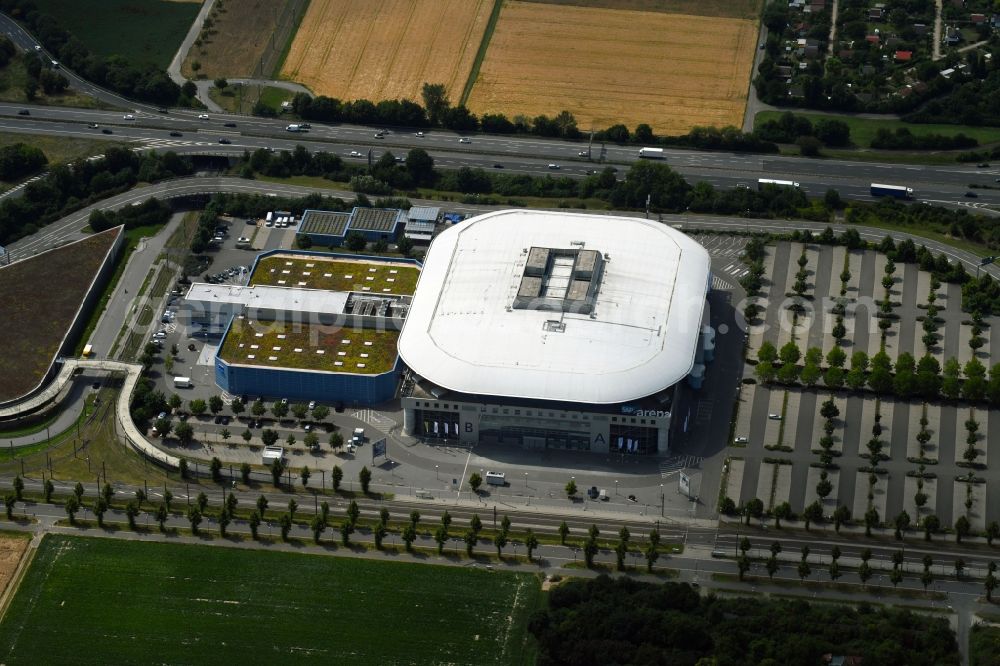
779, 461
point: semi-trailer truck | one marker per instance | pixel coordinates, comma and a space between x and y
651, 153
761, 182
895, 191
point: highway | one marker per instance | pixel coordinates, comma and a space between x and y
944, 184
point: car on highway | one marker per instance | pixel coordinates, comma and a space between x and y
497, 166
465, 140
128, 116
554, 166
162, 110
774, 417
305, 126
230, 124
400, 159
202, 116
971, 194
355, 153
582, 153
24, 112
379, 135
419, 134
106, 131
176, 134
983, 165
38, 47
93, 125
224, 140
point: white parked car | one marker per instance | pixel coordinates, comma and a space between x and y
740, 440
312, 404
774, 417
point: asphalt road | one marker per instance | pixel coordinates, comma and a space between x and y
945, 184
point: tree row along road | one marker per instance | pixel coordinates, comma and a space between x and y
692, 567
69, 227
543, 520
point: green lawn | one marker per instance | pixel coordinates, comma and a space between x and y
863, 130
241, 99
13, 78
104, 601
148, 31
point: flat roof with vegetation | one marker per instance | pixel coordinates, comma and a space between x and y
336, 274
275, 344
39, 300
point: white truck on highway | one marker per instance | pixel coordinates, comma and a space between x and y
894, 191
652, 153
293, 128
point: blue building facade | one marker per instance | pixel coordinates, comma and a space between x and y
305, 385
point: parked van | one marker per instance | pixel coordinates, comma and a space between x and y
496, 479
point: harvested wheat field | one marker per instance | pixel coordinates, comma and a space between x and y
11, 551
608, 66
386, 49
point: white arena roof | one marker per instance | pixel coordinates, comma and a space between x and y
469, 328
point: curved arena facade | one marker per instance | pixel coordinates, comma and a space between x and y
555, 330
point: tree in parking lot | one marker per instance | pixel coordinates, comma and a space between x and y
237, 407
336, 441
336, 476
198, 406
277, 469
225, 434
221, 83
299, 410
258, 409
365, 477
19, 487
247, 435
931, 524
305, 474
320, 412
168, 364
290, 440
475, 481
184, 433
215, 404
216, 468
279, 409
571, 488
754, 509
269, 436
163, 426
812, 514
175, 401
311, 440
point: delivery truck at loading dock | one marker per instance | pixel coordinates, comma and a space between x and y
894, 191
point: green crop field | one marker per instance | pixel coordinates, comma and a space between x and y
104, 601
147, 31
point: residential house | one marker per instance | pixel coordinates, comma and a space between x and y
875, 14
904, 56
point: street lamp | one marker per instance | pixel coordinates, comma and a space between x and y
525, 479
616, 486
436, 476
661, 500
